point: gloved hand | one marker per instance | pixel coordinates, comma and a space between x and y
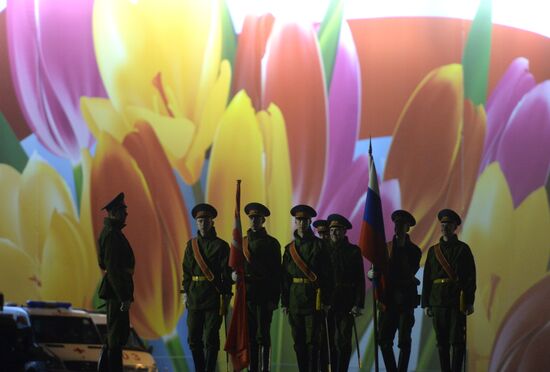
234, 277
428, 312
285, 310
371, 274
356, 311
184, 299
470, 310
125, 306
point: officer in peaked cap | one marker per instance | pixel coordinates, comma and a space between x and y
448, 290
262, 270
116, 259
349, 290
306, 287
322, 229
401, 292
206, 288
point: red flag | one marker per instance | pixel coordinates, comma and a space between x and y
372, 239
236, 343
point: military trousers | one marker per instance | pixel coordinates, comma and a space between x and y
396, 319
204, 329
450, 326
118, 331
306, 335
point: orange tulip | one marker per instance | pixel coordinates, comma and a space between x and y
157, 223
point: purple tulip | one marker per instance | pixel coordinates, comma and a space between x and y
53, 64
518, 130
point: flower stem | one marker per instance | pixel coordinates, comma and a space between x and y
77, 176
174, 348
197, 192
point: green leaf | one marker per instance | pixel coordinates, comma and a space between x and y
477, 55
229, 37
11, 152
329, 35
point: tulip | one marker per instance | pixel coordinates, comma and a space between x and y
441, 174
494, 232
43, 241
518, 117
53, 65
181, 94
157, 223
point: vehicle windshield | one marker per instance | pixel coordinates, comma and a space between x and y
134, 342
64, 330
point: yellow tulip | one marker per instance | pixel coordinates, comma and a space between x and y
160, 61
502, 238
43, 242
251, 147
157, 226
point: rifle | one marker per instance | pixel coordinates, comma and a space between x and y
329, 360
356, 343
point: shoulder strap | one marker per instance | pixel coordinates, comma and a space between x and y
444, 263
200, 260
246, 250
301, 264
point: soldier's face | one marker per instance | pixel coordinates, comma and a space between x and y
401, 228
337, 233
256, 222
204, 224
302, 224
448, 228
325, 235
120, 213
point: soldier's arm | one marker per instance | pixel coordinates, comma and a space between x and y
276, 272
186, 265
226, 281
468, 275
326, 275
285, 279
417, 256
360, 279
427, 280
117, 273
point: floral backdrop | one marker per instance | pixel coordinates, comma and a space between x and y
166, 101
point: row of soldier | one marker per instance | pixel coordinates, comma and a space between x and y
319, 283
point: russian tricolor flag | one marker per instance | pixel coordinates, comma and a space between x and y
372, 239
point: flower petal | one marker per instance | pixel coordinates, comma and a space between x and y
294, 82
525, 141
18, 273
277, 172
43, 192
100, 115
250, 51
10, 183
237, 154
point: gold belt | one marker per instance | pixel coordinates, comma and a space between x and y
301, 280
442, 280
198, 278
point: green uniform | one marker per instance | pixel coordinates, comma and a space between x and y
442, 296
299, 295
117, 259
263, 289
349, 291
401, 299
204, 317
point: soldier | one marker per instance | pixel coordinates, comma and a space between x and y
448, 290
401, 293
206, 288
263, 284
117, 260
349, 290
322, 229
306, 287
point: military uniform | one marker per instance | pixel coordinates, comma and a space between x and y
401, 296
306, 297
206, 299
117, 286
349, 293
448, 297
263, 287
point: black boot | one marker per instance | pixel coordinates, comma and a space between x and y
211, 360
403, 363
389, 359
458, 358
444, 359
115, 359
301, 358
266, 358
198, 359
254, 359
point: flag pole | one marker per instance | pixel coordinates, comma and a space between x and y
374, 296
